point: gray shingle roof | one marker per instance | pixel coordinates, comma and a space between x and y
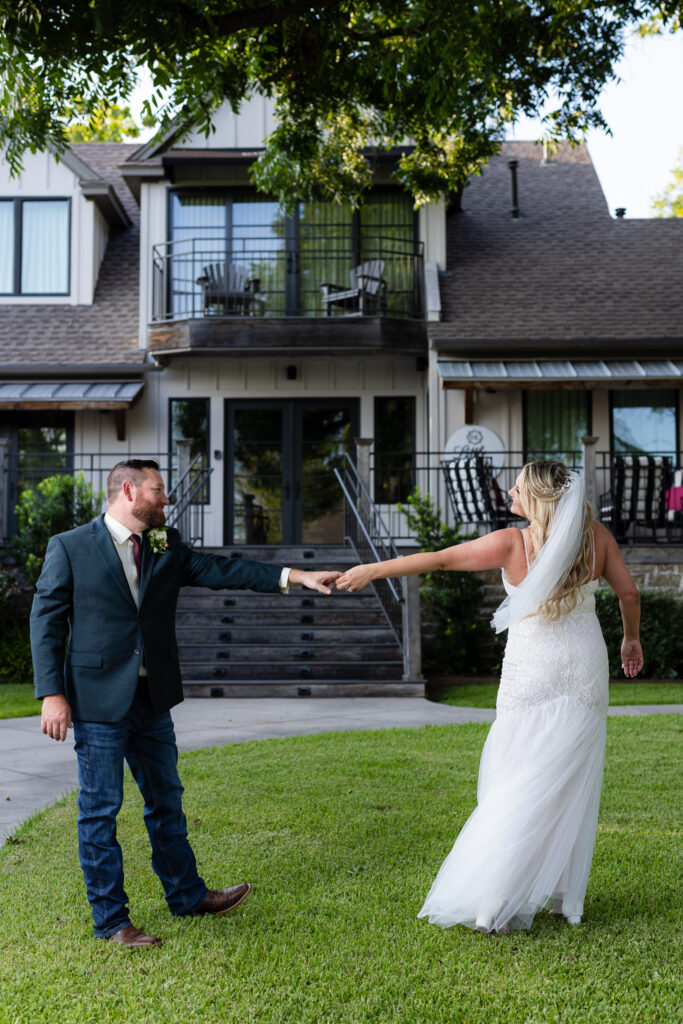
565, 271
105, 333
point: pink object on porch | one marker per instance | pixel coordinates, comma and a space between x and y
674, 499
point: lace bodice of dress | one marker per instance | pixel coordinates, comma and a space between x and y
545, 658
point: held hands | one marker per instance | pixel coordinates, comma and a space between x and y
319, 581
355, 579
56, 716
631, 657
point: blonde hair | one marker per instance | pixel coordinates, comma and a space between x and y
541, 485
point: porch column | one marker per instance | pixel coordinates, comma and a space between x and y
412, 639
588, 444
363, 445
4, 487
184, 449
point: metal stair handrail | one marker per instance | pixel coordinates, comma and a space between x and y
184, 492
370, 538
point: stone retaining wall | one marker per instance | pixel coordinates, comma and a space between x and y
656, 568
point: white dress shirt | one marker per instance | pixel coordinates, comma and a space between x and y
124, 549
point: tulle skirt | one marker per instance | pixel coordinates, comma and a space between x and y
530, 840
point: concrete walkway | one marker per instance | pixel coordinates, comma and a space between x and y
36, 771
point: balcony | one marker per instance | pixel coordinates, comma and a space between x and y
294, 295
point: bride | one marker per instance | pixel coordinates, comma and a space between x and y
529, 843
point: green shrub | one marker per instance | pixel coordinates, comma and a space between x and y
15, 647
450, 599
660, 633
15, 653
13, 604
58, 503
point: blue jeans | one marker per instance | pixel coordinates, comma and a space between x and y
147, 742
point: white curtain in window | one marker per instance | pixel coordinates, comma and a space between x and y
6, 247
45, 247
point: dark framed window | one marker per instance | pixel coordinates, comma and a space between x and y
554, 423
189, 420
290, 255
35, 241
41, 444
644, 422
394, 449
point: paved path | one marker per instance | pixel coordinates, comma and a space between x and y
35, 771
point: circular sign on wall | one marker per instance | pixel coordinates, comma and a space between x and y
478, 439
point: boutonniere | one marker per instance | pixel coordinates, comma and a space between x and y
157, 540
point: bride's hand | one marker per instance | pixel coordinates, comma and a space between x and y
355, 579
631, 657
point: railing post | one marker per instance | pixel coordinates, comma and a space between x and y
412, 636
4, 487
184, 448
588, 444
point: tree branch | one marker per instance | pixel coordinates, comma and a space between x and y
260, 17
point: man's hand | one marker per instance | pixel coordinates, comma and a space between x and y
56, 716
319, 581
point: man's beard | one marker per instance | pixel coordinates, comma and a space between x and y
149, 514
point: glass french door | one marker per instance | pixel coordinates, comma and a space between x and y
281, 456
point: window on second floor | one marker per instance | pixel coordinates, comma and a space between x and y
34, 246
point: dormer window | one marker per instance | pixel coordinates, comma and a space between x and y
34, 246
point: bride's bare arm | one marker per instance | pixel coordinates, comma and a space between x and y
621, 582
493, 551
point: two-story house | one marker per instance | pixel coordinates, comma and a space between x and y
149, 294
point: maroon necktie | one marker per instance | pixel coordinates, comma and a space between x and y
137, 552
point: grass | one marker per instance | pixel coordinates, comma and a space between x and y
483, 695
18, 700
342, 835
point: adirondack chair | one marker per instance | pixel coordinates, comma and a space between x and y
228, 285
637, 498
474, 495
367, 293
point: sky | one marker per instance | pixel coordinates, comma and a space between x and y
644, 110
645, 113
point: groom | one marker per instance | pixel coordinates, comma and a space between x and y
106, 662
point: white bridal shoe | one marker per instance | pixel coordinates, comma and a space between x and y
557, 911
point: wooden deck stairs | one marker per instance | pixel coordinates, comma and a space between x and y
242, 644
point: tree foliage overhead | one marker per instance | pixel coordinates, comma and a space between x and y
669, 202
347, 76
105, 124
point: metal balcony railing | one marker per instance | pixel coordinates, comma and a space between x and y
316, 276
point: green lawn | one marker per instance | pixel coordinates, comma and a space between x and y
483, 695
17, 700
342, 835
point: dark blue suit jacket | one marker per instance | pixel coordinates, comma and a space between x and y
87, 636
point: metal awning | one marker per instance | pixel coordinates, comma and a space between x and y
64, 394
462, 373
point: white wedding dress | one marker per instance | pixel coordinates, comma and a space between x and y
529, 843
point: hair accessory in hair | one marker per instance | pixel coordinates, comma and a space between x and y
556, 492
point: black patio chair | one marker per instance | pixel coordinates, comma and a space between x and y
637, 498
367, 292
228, 285
473, 492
